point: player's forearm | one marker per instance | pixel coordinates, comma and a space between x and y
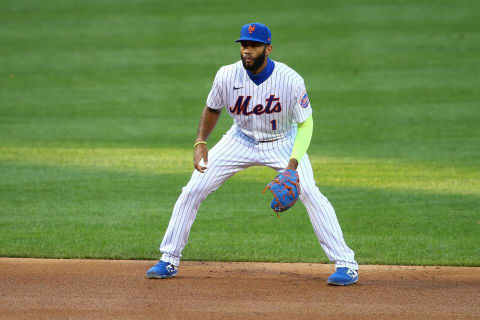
302, 140
207, 123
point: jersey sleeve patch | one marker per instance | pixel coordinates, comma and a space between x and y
304, 102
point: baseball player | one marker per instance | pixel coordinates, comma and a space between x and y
272, 127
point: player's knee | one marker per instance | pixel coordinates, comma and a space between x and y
303, 195
309, 192
190, 192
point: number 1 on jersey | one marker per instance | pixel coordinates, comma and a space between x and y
274, 124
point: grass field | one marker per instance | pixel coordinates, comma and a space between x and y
99, 103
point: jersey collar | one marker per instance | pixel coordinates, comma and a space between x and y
262, 76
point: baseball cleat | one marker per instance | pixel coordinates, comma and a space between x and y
162, 270
343, 277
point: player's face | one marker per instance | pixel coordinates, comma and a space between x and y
254, 54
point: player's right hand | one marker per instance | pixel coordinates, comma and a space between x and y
200, 152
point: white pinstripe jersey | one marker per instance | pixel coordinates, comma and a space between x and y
264, 112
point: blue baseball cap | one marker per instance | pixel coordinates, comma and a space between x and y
255, 31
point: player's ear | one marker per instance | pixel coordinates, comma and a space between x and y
268, 49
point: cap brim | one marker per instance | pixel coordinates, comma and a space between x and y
251, 39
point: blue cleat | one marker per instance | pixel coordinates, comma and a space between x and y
343, 277
162, 270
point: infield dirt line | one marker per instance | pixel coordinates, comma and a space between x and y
118, 289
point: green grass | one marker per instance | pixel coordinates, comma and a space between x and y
99, 103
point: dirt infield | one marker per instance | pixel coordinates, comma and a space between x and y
99, 289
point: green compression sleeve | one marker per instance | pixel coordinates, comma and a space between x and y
303, 138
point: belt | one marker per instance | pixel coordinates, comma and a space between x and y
269, 140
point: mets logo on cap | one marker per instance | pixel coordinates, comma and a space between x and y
304, 102
251, 28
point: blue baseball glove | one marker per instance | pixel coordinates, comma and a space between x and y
285, 188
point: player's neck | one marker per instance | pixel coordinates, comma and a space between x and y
262, 67
264, 73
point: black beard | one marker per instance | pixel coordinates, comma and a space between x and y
257, 62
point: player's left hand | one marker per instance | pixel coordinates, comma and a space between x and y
285, 188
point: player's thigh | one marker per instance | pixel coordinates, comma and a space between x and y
308, 187
276, 155
231, 154
226, 158
305, 170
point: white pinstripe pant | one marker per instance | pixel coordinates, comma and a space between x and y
235, 152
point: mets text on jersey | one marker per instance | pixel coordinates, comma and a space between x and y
241, 106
